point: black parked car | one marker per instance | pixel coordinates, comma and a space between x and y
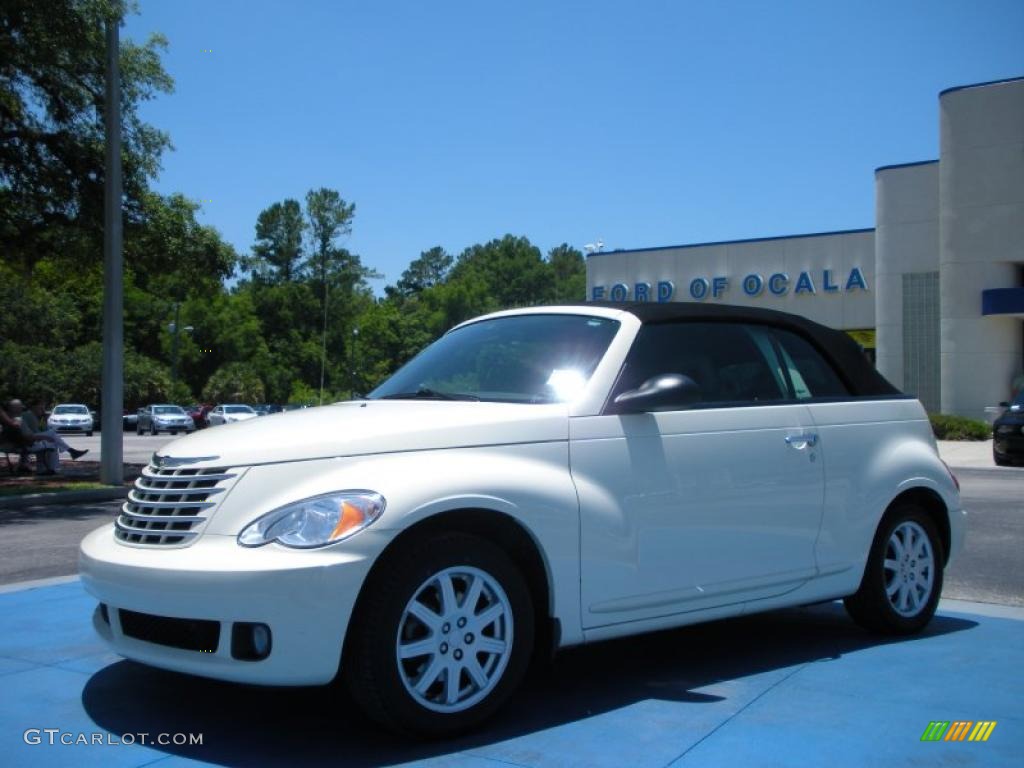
1008, 434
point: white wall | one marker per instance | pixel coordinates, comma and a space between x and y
906, 241
981, 181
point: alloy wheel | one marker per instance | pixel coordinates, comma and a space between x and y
909, 569
454, 639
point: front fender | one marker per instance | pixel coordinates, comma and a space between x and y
528, 482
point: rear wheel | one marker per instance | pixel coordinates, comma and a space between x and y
903, 578
442, 638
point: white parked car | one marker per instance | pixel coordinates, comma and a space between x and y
226, 414
535, 479
70, 417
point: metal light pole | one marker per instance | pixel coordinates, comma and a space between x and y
352, 364
173, 328
112, 400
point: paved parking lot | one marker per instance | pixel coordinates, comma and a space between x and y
796, 687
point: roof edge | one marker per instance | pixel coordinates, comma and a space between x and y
980, 85
905, 165
733, 242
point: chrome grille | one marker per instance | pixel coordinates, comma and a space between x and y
169, 505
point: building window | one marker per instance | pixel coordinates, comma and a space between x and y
921, 366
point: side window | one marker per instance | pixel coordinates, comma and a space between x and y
811, 374
724, 359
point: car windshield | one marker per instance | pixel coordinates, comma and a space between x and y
71, 409
238, 409
516, 359
168, 410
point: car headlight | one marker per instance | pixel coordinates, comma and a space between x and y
315, 522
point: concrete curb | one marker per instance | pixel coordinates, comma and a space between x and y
63, 497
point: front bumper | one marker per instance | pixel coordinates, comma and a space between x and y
174, 426
1009, 446
305, 597
84, 427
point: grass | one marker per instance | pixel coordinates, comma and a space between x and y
58, 487
948, 427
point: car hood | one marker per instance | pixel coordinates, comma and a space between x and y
1010, 418
370, 426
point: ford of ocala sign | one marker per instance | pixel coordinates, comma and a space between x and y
752, 285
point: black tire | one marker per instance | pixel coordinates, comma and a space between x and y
369, 665
1000, 462
138, 429
88, 434
870, 606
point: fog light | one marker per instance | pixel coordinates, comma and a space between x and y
250, 642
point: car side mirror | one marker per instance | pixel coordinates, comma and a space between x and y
664, 392
1004, 404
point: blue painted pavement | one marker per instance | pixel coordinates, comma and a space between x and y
789, 688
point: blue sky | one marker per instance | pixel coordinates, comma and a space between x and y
642, 123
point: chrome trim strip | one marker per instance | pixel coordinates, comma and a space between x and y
183, 478
161, 518
150, 532
168, 504
176, 491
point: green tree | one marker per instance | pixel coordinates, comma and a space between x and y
330, 217
51, 126
234, 383
277, 254
512, 269
430, 269
568, 273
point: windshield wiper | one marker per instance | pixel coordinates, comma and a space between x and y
425, 393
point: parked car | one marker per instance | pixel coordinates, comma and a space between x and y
129, 420
226, 414
1008, 433
198, 414
71, 417
535, 479
163, 418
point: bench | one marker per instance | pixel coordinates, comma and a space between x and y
7, 448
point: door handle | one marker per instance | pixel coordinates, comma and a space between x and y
810, 439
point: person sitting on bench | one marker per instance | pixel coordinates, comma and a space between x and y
45, 444
13, 439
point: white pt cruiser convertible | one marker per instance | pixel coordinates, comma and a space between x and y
533, 480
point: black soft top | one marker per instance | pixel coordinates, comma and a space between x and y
839, 348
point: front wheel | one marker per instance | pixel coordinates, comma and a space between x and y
443, 636
903, 579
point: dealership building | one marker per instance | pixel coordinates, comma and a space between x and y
934, 292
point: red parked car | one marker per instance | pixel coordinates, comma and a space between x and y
198, 414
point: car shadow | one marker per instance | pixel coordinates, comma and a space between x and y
260, 726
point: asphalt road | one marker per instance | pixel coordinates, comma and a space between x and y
138, 449
40, 542
991, 567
